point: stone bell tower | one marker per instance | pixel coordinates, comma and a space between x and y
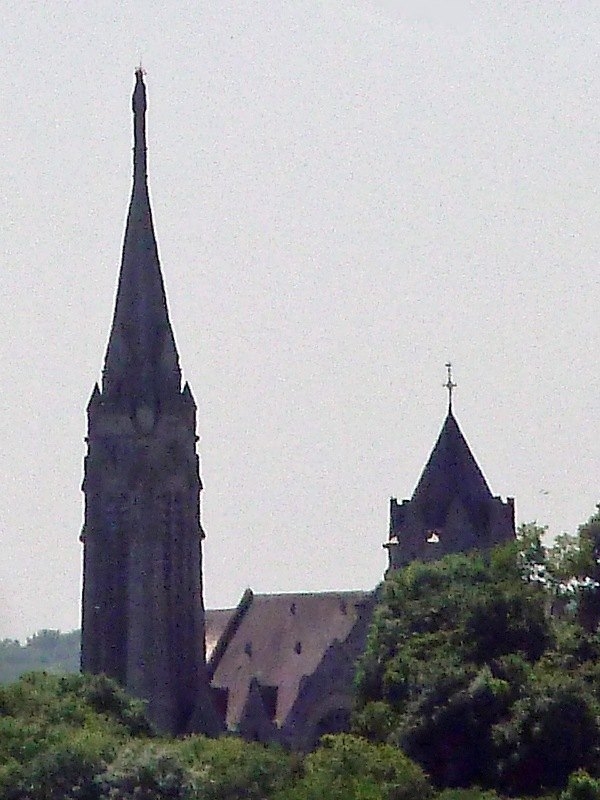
143, 613
452, 509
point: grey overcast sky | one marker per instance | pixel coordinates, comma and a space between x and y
346, 195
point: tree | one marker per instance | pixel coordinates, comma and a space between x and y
347, 767
581, 786
466, 672
47, 650
79, 737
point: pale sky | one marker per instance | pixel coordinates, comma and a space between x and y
346, 195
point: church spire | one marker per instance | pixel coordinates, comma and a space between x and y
142, 609
138, 106
141, 361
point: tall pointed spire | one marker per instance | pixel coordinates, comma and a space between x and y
142, 606
141, 358
138, 106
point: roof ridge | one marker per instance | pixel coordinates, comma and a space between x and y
331, 592
231, 627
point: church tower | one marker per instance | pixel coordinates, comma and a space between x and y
143, 613
452, 509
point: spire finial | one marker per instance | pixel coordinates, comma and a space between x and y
449, 385
138, 104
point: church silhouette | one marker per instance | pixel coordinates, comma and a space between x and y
277, 667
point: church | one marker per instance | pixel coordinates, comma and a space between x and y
276, 668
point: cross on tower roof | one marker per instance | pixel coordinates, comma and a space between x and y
449, 385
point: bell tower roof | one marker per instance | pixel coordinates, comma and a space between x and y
451, 473
141, 360
452, 509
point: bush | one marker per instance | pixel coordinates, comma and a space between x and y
63, 771
553, 731
231, 769
347, 767
146, 771
467, 794
581, 786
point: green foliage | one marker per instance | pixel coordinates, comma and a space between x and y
467, 673
467, 794
347, 767
65, 769
377, 719
147, 771
581, 786
107, 697
57, 734
48, 651
552, 730
231, 769
506, 621
574, 569
80, 737
531, 555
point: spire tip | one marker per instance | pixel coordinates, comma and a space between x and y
449, 385
138, 101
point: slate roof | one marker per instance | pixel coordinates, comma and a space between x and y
451, 472
215, 623
277, 639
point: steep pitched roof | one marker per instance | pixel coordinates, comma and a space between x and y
278, 639
451, 473
217, 620
141, 358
